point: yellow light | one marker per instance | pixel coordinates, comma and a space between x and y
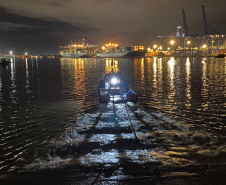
204, 46
103, 47
189, 42
155, 46
116, 45
172, 42
109, 44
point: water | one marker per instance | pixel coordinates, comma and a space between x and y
50, 116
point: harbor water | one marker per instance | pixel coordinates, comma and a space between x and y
50, 116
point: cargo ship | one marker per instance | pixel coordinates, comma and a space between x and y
109, 50
113, 50
78, 50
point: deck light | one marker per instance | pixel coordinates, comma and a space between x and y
114, 81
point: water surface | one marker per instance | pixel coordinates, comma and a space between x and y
50, 116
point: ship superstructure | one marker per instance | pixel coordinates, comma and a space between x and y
77, 50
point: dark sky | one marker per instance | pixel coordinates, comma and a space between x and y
39, 26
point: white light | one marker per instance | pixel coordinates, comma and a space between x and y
114, 81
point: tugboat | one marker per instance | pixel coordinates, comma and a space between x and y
113, 88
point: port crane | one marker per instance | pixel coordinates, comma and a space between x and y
184, 34
209, 36
210, 33
188, 33
208, 29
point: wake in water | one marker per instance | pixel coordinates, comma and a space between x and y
107, 138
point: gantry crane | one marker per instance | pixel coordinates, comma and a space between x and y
210, 32
209, 36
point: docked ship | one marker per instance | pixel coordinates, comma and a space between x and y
113, 50
78, 50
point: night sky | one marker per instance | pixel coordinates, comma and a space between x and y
39, 26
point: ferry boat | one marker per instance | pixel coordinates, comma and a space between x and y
114, 89
78, 50
112, 50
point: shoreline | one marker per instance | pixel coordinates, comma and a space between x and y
143, 174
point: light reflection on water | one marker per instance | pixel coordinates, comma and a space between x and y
179, 118
188, 83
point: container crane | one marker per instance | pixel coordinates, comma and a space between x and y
210, 32
188, 32
208, 29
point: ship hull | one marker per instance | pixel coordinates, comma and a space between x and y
110, 55
72, 55
123, 54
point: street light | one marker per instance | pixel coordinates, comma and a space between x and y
172, 42
204, 46
189, 42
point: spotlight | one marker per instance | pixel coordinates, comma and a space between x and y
114, 81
